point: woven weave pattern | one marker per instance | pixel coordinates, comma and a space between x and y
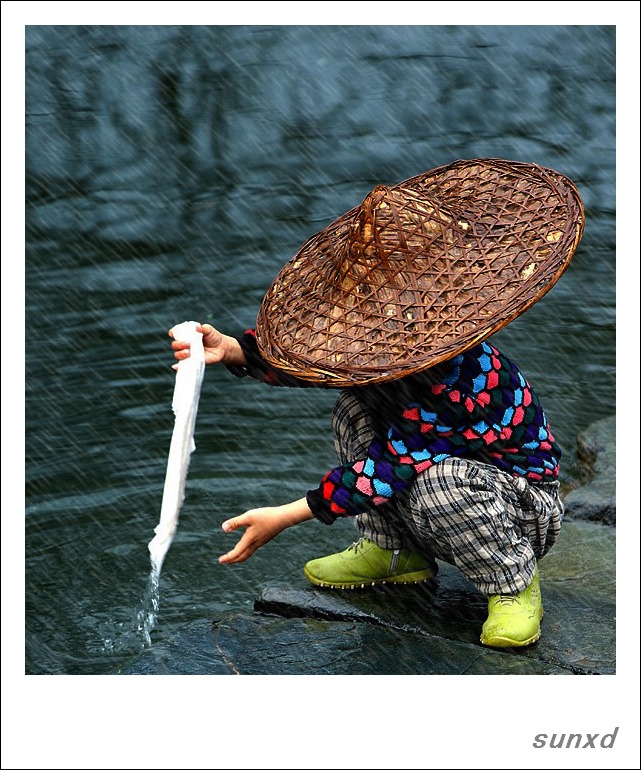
420, 272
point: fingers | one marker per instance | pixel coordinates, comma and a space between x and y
181, 350
232, 524
237, 554
243, 549
247, 544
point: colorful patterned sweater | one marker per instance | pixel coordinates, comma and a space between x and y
476, 405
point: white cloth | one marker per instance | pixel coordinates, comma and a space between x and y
189, 377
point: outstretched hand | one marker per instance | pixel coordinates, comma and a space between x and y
218, 347
262, 525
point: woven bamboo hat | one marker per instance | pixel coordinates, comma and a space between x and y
420, 272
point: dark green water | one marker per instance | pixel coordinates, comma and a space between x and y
171, 171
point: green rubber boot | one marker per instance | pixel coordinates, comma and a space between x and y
364, 564
514, 621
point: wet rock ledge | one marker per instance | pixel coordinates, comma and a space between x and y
595, 500
432, 628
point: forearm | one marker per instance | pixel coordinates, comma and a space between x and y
295, 512
234, 355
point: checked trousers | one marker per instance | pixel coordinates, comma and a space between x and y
489, 524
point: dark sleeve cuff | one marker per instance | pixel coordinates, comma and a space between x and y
320, 507
248, 345
258, 369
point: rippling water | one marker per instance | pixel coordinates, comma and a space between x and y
171, 171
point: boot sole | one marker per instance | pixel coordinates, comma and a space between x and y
410, 577
505, 641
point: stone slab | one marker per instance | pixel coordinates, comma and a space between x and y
428, 629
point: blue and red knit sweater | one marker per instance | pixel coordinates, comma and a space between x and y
476, 405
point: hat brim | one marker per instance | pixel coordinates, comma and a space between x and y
480, 242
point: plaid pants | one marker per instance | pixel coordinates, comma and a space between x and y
490, 525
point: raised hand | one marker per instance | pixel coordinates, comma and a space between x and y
219, 348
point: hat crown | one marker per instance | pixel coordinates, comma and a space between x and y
391, 227
362, 242
363, 252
